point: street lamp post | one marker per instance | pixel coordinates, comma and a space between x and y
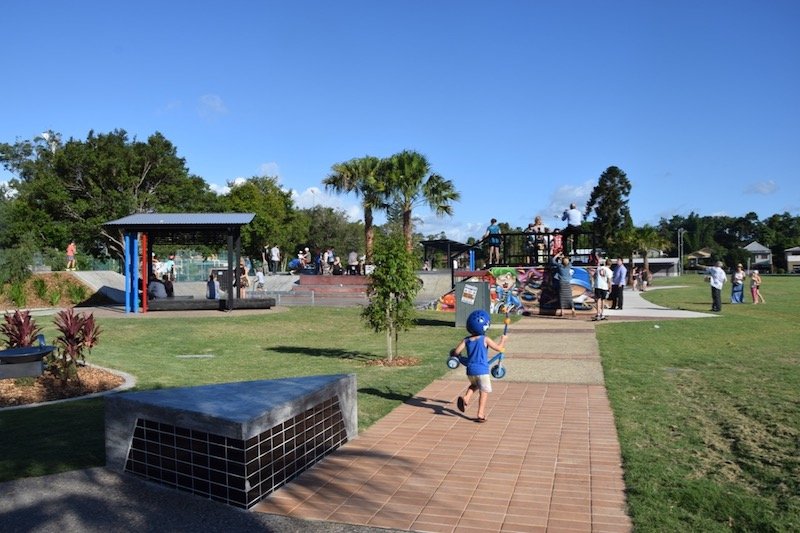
681, 231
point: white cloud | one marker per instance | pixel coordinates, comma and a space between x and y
270, 169
219, 189
762, 187
210, 106
314, 196
170, 106
565, 195
453, 229
225, 189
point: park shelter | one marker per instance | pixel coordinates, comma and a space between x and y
698, 257
450, 249
176, 228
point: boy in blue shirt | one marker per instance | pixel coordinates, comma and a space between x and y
477, 345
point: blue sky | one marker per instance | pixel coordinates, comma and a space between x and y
522, 104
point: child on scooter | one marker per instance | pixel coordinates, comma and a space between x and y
477, 345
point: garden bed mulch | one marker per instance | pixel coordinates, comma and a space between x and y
45, 388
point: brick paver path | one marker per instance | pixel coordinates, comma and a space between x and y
547, 459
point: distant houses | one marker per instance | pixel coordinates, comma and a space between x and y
760, 257
793, 259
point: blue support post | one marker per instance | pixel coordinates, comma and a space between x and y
126, 271
131, 241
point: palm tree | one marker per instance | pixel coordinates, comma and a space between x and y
648, 238
632, 240
361, 176
410, 184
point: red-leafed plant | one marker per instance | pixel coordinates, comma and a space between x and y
78, 333
19, 329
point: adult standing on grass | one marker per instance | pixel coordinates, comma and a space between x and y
618, 281
71, 251
737, 285
755, 287
716, 278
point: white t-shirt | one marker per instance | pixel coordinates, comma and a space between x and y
601, 278
718, 277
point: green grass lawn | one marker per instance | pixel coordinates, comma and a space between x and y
294, 342
708, 411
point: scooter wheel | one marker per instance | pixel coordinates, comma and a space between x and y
498, 372
452, 362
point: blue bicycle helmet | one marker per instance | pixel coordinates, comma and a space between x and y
478, 322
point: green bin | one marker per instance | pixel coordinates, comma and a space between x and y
471, 295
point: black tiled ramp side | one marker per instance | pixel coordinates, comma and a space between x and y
234, 471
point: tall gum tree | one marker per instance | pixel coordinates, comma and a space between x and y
70, 190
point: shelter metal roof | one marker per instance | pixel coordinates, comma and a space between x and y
443, 245
184, 228
148, 221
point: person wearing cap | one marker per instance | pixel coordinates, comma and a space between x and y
755, 287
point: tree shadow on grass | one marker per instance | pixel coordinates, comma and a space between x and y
434, 322
335, 353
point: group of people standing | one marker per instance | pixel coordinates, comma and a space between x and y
609, 284
717, 277
327, 262
271, 257
540, 242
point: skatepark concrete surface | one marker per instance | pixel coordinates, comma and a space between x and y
549, 459
112, 286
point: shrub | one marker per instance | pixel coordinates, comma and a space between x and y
77, 293
19, 329
54, 296
40, 288
14, 264
17, 294
54, 258
78, 333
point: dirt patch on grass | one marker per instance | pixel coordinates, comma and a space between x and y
24, 391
